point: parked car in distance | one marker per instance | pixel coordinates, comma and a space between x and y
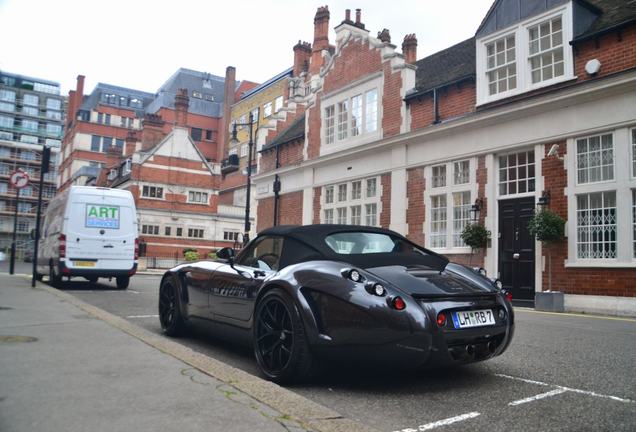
2, 256
301, 293
89, 232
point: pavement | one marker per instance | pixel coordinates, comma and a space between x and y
68, 366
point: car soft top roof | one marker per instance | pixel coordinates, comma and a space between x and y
314, 235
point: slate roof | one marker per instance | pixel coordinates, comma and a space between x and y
614, 13
90, 101
445, 67
256, 89
193, 81
293, 132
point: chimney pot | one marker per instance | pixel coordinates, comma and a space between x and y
358, 15
409, 48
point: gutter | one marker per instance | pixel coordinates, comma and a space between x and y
604, 31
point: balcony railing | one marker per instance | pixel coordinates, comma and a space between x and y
230, 164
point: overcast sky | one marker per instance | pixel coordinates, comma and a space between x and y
139, 44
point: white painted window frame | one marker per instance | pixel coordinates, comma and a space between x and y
522, 39
537, 163
448, 190
624, 182
358, 88
141, 191
348, 202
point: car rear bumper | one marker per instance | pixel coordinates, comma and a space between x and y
66, 271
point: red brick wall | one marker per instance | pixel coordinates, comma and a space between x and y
290, 154
616, 52
314, 122
290, 210
385, 200
453, 101
391, 102
415, 211
590, 281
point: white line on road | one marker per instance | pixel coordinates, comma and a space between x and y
142, 316
570, 389
537, 397
439, 423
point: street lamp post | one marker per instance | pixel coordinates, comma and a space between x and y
234, 141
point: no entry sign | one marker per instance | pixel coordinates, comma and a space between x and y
19, 179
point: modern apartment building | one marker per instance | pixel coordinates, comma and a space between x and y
31, 116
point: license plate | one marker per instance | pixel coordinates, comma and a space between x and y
84, 263
473, 318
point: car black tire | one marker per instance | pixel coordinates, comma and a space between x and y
122, 282
280, 343
39, 277
170, 318
54, 280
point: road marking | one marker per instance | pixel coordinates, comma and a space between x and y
569, 389
142, 316
537, 397
434, 425
579, 315
133, 291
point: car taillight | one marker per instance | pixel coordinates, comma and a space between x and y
62, 247
441, 319
398, 303
509, 296
136, 249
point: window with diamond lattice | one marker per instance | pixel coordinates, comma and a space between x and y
596, 225
516, 173
595, 159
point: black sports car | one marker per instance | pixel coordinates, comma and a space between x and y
298, 293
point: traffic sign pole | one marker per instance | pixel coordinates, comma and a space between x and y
15, 231
44, 168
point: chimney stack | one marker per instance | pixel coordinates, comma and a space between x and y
229, 91
384, 36
358, 17
181, 103
321, 38
302, 54
152, 131
131, 143
409, 48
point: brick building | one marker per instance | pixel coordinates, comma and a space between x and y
31, 116
163, 148
536, 109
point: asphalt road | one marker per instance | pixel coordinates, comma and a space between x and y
562, 373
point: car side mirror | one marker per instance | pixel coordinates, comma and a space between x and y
227, 253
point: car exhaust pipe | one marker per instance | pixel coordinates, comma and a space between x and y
470, 350
492, 347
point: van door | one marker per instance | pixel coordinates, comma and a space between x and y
100, 233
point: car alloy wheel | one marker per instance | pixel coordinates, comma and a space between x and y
169, 313
280, 344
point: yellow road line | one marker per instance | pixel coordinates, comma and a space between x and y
580, 315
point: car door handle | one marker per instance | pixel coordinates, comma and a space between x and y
109, 246
515, 256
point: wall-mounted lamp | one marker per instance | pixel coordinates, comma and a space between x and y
554, 151
475, 209
544, 199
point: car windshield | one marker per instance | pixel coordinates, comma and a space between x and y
349, 243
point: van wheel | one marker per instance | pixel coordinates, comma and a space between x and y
122, 282
54, 280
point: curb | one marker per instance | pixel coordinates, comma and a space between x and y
311, 415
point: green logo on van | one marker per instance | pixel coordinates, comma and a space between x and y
102, 216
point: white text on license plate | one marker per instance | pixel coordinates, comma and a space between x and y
473, 318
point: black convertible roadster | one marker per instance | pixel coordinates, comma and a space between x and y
301, 293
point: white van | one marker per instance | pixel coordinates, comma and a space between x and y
89, 232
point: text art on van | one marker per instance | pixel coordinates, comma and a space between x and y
102, 216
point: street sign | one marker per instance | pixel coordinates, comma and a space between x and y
19, 179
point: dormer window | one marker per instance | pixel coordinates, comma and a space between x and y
502, 65
546, 50
525, 56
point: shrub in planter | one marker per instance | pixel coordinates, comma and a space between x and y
186, 250
192, 256
212, 255
476, 236
549, 228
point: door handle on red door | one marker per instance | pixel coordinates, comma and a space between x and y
515, 256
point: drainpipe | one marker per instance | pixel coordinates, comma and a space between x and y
435, 107
276, 186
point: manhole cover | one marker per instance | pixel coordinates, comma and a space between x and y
13, 339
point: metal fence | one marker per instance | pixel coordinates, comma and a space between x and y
160, 262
